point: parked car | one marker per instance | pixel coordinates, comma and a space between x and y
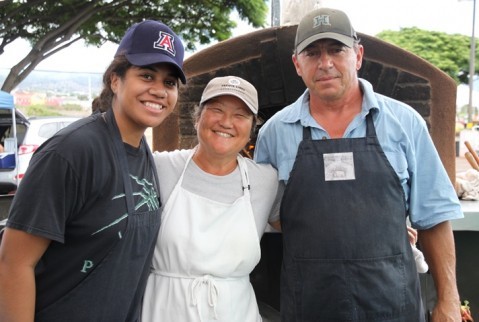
31, 133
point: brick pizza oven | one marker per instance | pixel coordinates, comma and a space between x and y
264, 58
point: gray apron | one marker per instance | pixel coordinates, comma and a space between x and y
346, 254
125, 267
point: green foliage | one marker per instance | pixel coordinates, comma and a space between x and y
39, 110
99, 20
448, 52
464, 111
72, 107
51, 25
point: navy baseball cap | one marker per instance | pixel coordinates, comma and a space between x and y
150, 42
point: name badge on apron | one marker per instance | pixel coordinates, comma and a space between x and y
338, 166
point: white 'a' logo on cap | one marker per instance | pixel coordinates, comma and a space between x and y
321, 20
166, 42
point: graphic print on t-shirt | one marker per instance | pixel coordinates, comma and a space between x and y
145, 196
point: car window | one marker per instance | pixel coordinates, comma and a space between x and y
47, 130
6, 132
64, 124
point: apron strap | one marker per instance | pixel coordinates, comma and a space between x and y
121, 155
370, 129
244, 174
212, 293
153, 170
120, 152
307, 133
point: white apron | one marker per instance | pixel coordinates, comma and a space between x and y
202, 261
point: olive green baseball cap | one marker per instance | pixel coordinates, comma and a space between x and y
324, 23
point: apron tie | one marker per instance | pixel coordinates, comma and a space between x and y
212, 293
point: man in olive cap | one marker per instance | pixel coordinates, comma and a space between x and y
356, 178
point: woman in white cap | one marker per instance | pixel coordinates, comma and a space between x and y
83, 223
216, 208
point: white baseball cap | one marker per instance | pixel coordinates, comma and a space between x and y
232, 85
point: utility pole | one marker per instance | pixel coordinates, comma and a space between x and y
275, 13
294, 10
470, 107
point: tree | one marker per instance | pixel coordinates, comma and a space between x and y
448, 52
51, 25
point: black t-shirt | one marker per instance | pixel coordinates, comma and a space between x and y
73, 194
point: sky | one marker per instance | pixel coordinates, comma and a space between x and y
367, 16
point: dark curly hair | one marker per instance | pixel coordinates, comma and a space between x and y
118, 66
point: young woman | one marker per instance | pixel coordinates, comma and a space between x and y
217, 205
83, 223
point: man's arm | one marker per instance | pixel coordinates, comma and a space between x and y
437, 243
19, 254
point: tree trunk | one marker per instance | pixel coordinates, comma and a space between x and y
49, 44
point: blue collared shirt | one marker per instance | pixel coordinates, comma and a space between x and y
403, 136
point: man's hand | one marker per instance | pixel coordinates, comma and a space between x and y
447, 311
